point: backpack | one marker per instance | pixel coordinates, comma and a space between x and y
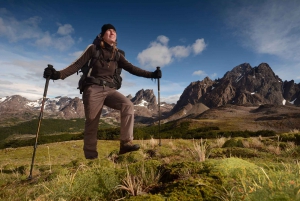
86, 70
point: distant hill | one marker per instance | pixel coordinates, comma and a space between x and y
18, 107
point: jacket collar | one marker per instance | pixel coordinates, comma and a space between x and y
107, 46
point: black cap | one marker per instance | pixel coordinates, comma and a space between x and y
105, 27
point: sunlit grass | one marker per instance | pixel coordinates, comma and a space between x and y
62, 173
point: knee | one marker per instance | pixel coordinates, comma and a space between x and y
127, 108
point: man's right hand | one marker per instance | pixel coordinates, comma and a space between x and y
52, 73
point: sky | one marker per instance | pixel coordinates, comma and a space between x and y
189, 40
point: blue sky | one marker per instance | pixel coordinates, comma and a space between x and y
188, 39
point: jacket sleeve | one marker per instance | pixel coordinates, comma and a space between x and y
126, 65
77, 64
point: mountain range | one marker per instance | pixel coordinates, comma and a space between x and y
242, 86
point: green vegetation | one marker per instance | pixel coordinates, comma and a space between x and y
58, 130
193, 163
48, 126
51, 130
252, 171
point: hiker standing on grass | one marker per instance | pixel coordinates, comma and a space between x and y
100, 89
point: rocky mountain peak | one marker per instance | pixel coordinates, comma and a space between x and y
193, 93
238, 71
145, 98
265, 70
13, 103
243, 85
145, 107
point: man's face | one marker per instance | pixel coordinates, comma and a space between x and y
110, 36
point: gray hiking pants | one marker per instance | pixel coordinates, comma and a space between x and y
94, 97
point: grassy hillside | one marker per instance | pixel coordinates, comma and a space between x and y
58, 130
194, 162
235, 169
51, 130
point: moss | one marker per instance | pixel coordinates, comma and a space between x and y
165, 152
147, 166
233, 142
241, 152
180, 170
131, 157
217, 153
187, 190
147, 198
233, 168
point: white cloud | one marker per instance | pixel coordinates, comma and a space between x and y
199, 46
5, 82
2, 27
183, 40
44, 41
287, 71
180, 51
199, 73
269, 27
171, 99
28, 30
79, 40
156, 55
214, 75
76, 54
65, 29
60, 43
163, 39
160, 54
16, 30
63, 43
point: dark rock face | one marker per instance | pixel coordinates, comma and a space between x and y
243, 85
193, 93
291, 92
246, 85
74, 109
145, 98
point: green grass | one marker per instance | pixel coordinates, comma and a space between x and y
58, 130
167, 172
51, 130
193, 163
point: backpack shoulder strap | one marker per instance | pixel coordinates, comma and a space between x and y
93, 60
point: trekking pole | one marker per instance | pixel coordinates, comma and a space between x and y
159, 114
39, 122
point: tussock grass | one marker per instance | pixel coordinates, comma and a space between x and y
200, 150
294, 131
179, 169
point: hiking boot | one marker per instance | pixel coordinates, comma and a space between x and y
128, 147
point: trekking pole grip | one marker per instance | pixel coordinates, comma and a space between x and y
158, 68
47, 82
